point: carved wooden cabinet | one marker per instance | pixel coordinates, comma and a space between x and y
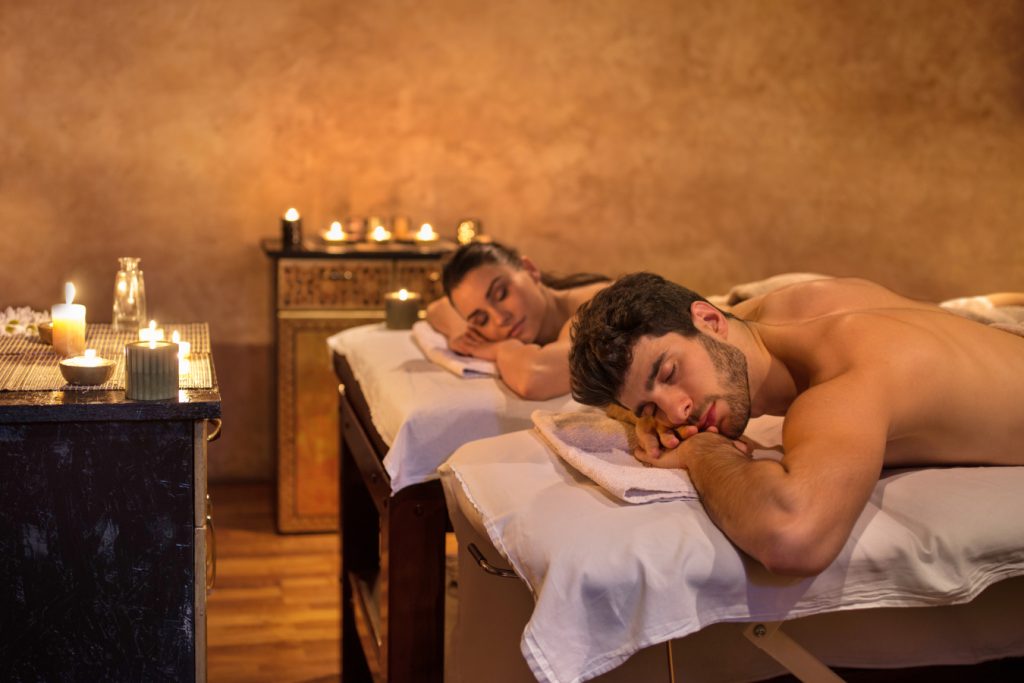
318, 291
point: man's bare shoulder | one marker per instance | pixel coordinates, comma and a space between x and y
818, 298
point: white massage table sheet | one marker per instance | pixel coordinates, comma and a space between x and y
611, 578
422, 411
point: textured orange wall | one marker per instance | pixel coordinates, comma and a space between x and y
714, 142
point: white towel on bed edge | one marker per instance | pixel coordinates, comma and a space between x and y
435, 347
601, 448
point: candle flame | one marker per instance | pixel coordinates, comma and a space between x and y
291, 214
175, 337
69, 292
403, 294
90, 353
381, 234
152, 324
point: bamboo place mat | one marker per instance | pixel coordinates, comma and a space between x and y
28, 364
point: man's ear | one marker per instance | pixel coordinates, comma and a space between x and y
709, 319
530, 267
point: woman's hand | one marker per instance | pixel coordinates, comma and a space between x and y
472, 343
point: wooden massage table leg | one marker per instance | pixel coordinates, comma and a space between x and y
768, 637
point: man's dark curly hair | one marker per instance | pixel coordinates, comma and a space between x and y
608, 326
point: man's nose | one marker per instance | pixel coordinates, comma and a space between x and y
679, 411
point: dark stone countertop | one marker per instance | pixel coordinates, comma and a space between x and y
91, 406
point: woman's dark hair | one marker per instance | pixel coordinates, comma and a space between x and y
608, 326
476, 254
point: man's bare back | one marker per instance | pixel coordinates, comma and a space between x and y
864, 377
952, 388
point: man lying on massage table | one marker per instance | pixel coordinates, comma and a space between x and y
864, 377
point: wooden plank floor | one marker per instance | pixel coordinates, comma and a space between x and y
273, 614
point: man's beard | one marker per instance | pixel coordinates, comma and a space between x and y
731, 366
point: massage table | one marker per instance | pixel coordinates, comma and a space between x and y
933, 574
401, 416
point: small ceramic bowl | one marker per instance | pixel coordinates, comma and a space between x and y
97, 372
46, 332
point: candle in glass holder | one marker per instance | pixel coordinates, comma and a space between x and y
68, 324
401, 308
380, 234
151, 333
426, 233
86, 369
336, 233
291, 230
150, 370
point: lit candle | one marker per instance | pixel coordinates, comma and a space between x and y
291, 230
68, 324
86, 369
468, 230
150, 370
335, 234
426, 233
380, 234
184, 347
401, 308
151, 333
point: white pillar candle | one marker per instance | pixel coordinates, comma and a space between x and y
150, 370
401, 309
184, 347
68, 325
151, 333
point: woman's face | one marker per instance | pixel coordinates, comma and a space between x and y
502, 301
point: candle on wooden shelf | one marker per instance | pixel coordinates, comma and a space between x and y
336, 233
401, 227
150, 370
401, 308
426, 233
380, 234
291, 230
151, 333
68, 324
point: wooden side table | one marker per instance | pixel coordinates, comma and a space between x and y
319, 290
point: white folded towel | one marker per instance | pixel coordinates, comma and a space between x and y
435, 348
980, 308
602, 449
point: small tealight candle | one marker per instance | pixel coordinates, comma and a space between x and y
151, 333
401, 308
184, 347
335, 234
68, 324
426, 233
86, 369
150, 370
380, 234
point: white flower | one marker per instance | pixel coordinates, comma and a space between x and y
21, 321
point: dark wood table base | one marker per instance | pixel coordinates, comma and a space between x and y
392, 558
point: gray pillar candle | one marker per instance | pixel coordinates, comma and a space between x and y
401, 309
150, 370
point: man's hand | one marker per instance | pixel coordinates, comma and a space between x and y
679, 456
654, 437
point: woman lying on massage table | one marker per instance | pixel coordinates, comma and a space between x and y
501, 308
